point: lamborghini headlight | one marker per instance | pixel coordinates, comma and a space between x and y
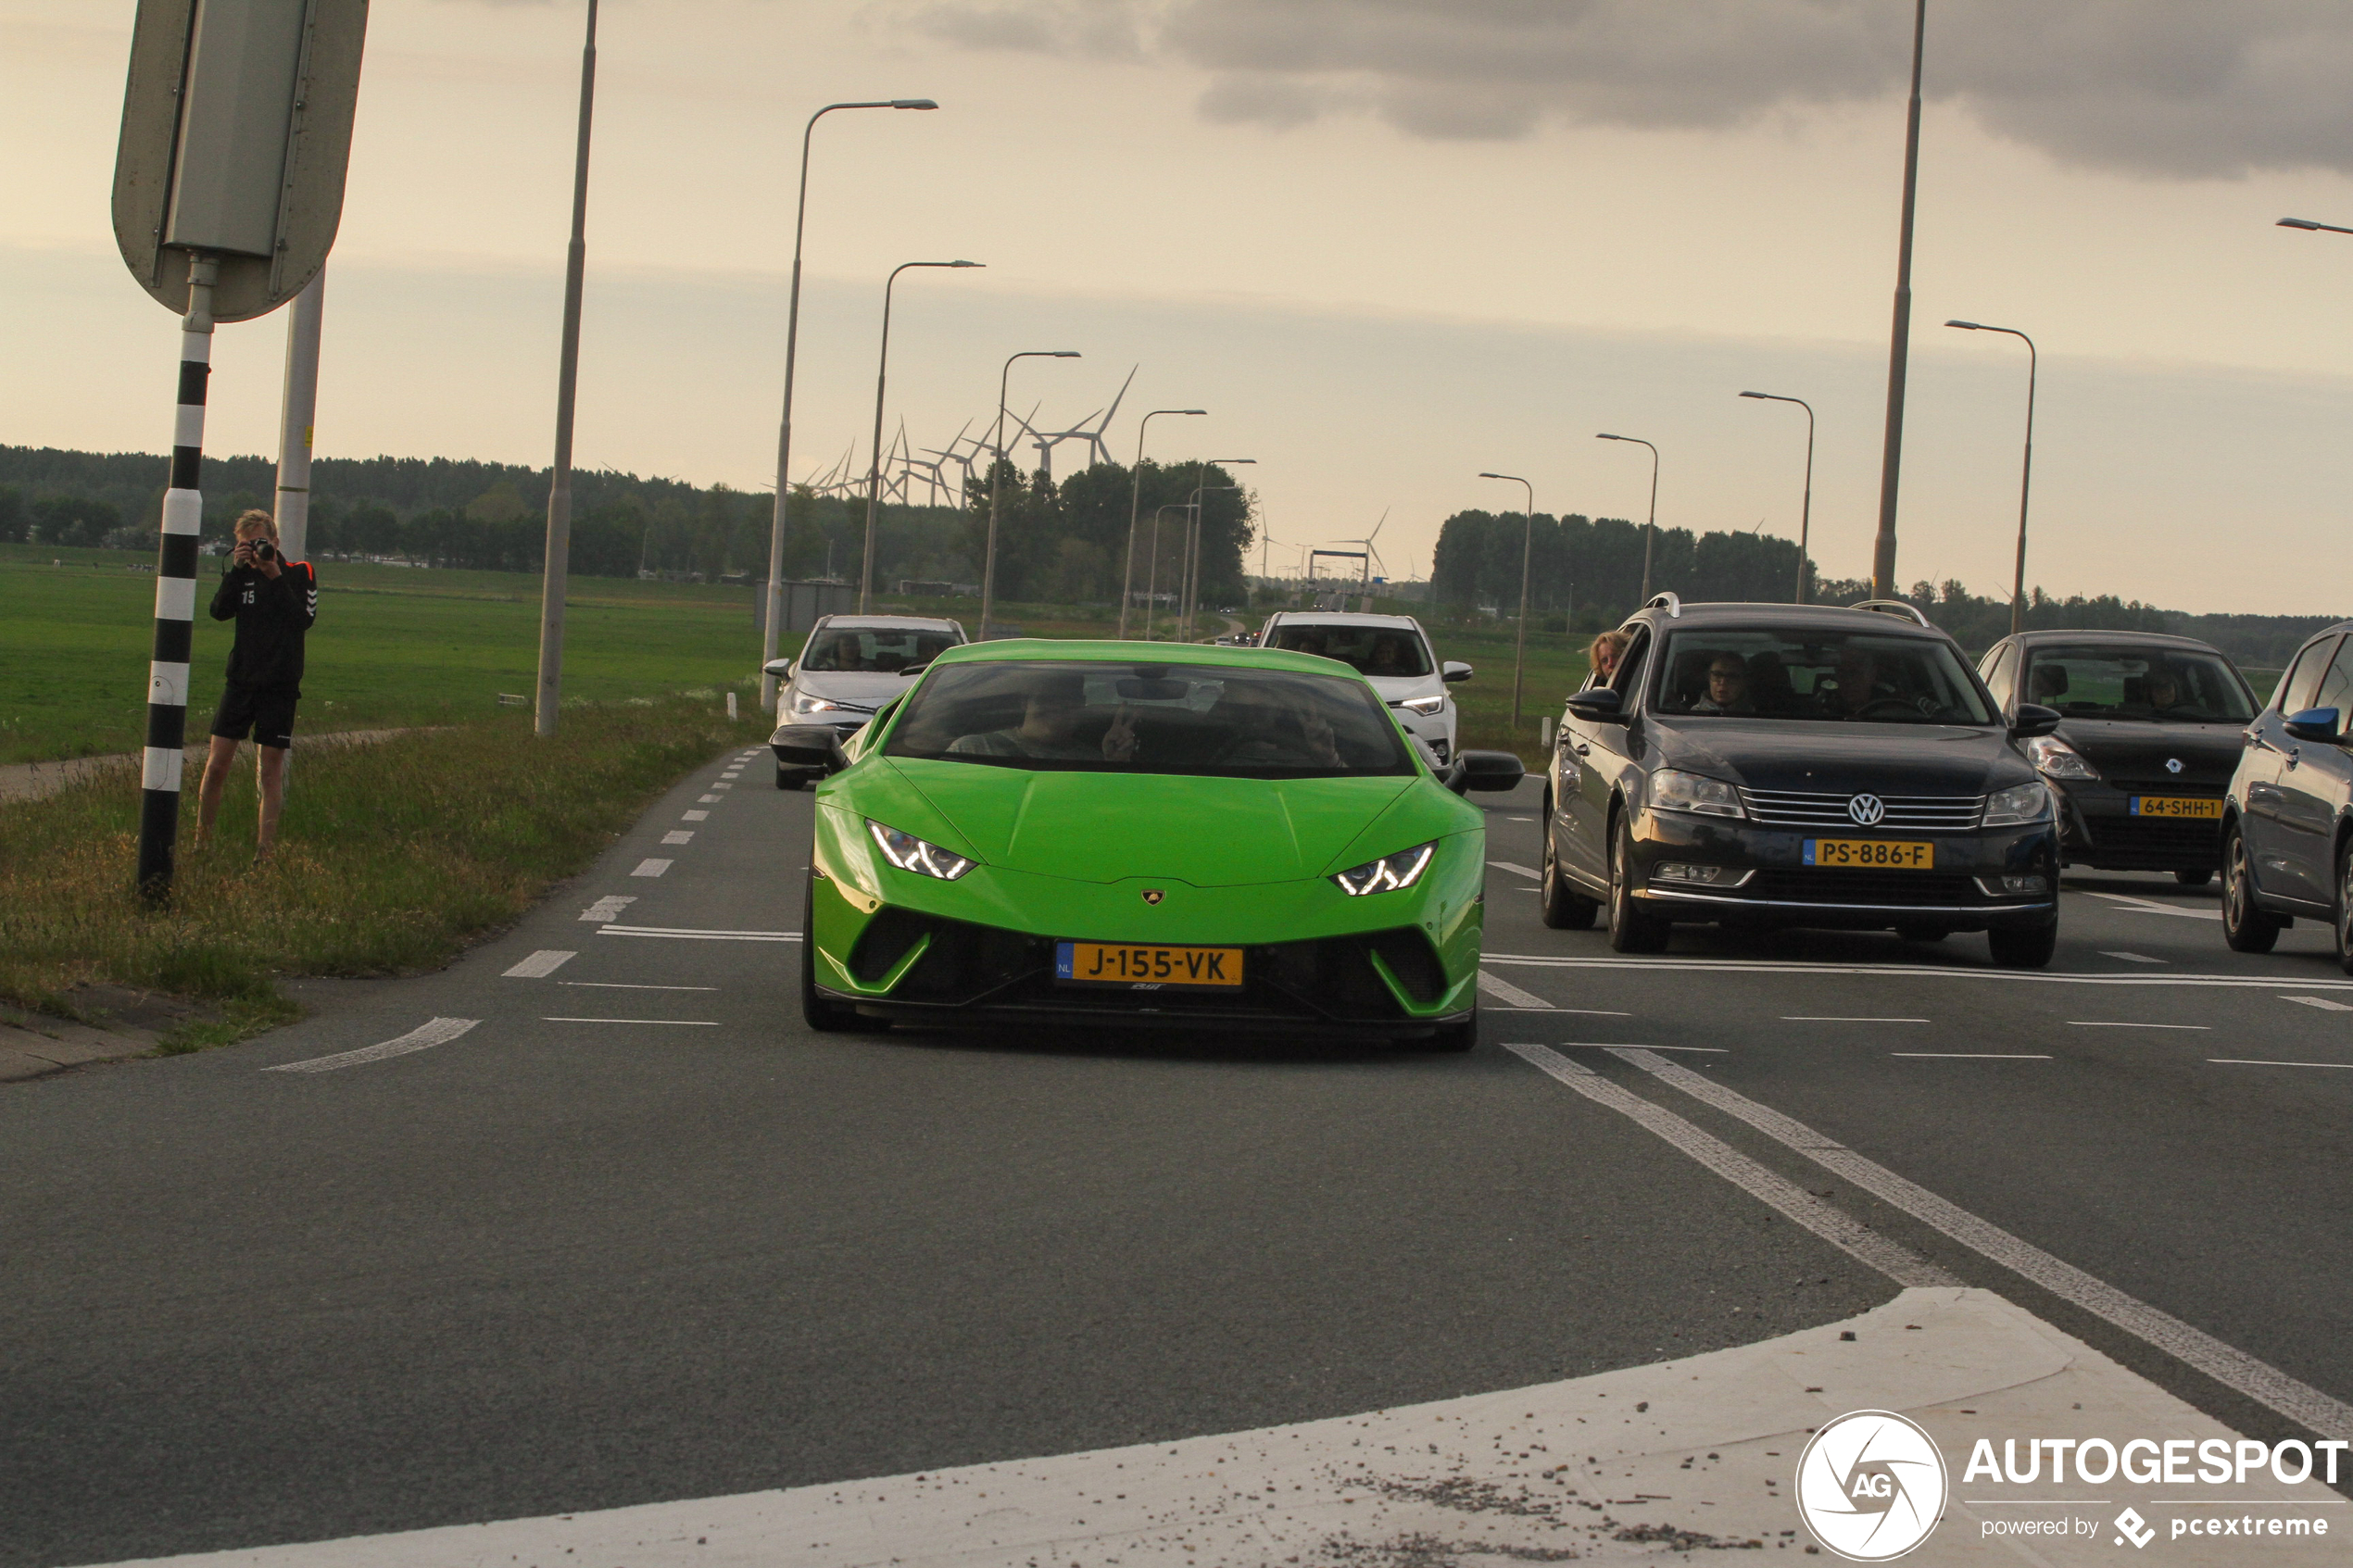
1389, 874
911, 854
2010, 808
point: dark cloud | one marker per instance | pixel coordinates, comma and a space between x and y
2182, 88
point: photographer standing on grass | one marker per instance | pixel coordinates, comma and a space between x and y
273, 601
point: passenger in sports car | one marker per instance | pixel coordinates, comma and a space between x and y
1266, 731
1052, 716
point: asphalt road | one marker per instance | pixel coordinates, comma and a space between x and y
629, 1232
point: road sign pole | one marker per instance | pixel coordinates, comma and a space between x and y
558, 568
175, 597
297, 419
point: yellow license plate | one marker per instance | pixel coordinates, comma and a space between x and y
2176, 806
1878, 854
1147, 965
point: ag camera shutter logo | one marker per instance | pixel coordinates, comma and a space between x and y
1872, 1485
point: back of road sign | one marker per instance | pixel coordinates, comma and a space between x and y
236, 130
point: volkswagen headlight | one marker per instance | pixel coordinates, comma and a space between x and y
1389, 874
1425, 705
1674, 790
2053, 758
2027, 803
911, 854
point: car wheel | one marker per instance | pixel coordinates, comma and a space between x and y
1560, 906
1630, 931
2023, 947
822, 1013
2344, 922
1920, 932
787, 778
2198, 878
2246, 927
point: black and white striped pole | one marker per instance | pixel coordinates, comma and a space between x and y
176, 595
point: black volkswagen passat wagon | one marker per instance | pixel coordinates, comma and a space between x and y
2149, 731
2287, 822
1799, 765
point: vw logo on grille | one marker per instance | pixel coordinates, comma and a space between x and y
1866, 810
2172, 764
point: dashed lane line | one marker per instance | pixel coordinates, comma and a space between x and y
694, 816
436, 1032
1516, 871
1974, 1056
651, 868
2320, 1003
625, 985
1911, 971
1512, 996
1849, 1236
540, 964
690, 935
680, 1022
679, 835
2224, 1363
2132, 958
1834, 1018
2249, 1061
2116, 1024
708, 799
2151, 907
607, 908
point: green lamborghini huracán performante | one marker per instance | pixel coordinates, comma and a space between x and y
1082, 833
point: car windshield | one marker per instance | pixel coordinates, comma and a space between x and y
1211, 721
2156, 685
1382, 651
1860, 676
874, 650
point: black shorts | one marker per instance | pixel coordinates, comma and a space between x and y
267, 714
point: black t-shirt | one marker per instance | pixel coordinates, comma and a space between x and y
271, 616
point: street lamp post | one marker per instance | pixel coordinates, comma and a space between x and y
873, 474
1527, 555
1152, 580
1191, 590
1135, 505
770, 622
2025, 472
1650, 528
1805, 514
2307, 225
1899, 336
996, 475
556, 568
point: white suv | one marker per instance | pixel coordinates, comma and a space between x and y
850, 666
1390, 651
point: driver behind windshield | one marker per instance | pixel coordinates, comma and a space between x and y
1727, 687
1054, 714
1858, 685
1266, 731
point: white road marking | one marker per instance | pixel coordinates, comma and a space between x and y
436, 1032
607, 908
2151, 907
1842, 1231
2226, 1365
1826, 1018
706, 800
681, 1023
2109, 1023
2249, 1061
1905, 971
689, 933
1516, 871
1975, 1056
679, 835
1512, 996
723, 785
2320, 1003
625, 985
540, 965
2130, 958
1520, 819
693, 817
650, 867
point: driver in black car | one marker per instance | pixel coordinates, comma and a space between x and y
2163, 688
1858, 684
1727, 687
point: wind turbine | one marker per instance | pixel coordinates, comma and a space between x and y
1093, 434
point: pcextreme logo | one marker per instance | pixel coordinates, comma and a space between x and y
1871, 1485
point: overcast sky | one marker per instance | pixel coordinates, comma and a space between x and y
1388, 243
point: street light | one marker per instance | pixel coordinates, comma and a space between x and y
1152, 580
873, 474
1899, 336
996, 474
1192, 546
1805, 515
2308, 224
771, 627
1651, 527
2025, 472
1135, 505
1527, 551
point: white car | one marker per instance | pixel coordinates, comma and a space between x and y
1390, 651
851, 666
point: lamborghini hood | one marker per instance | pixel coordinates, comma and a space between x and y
1106, 827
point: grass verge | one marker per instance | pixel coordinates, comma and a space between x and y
391, 858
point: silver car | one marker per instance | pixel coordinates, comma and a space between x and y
1390, 651
850, 667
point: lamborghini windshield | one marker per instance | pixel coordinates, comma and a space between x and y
1211, 721
1853, 676
2162, 685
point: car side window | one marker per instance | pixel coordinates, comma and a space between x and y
2003, 674
1630, 668
2336, 687
2304, 676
